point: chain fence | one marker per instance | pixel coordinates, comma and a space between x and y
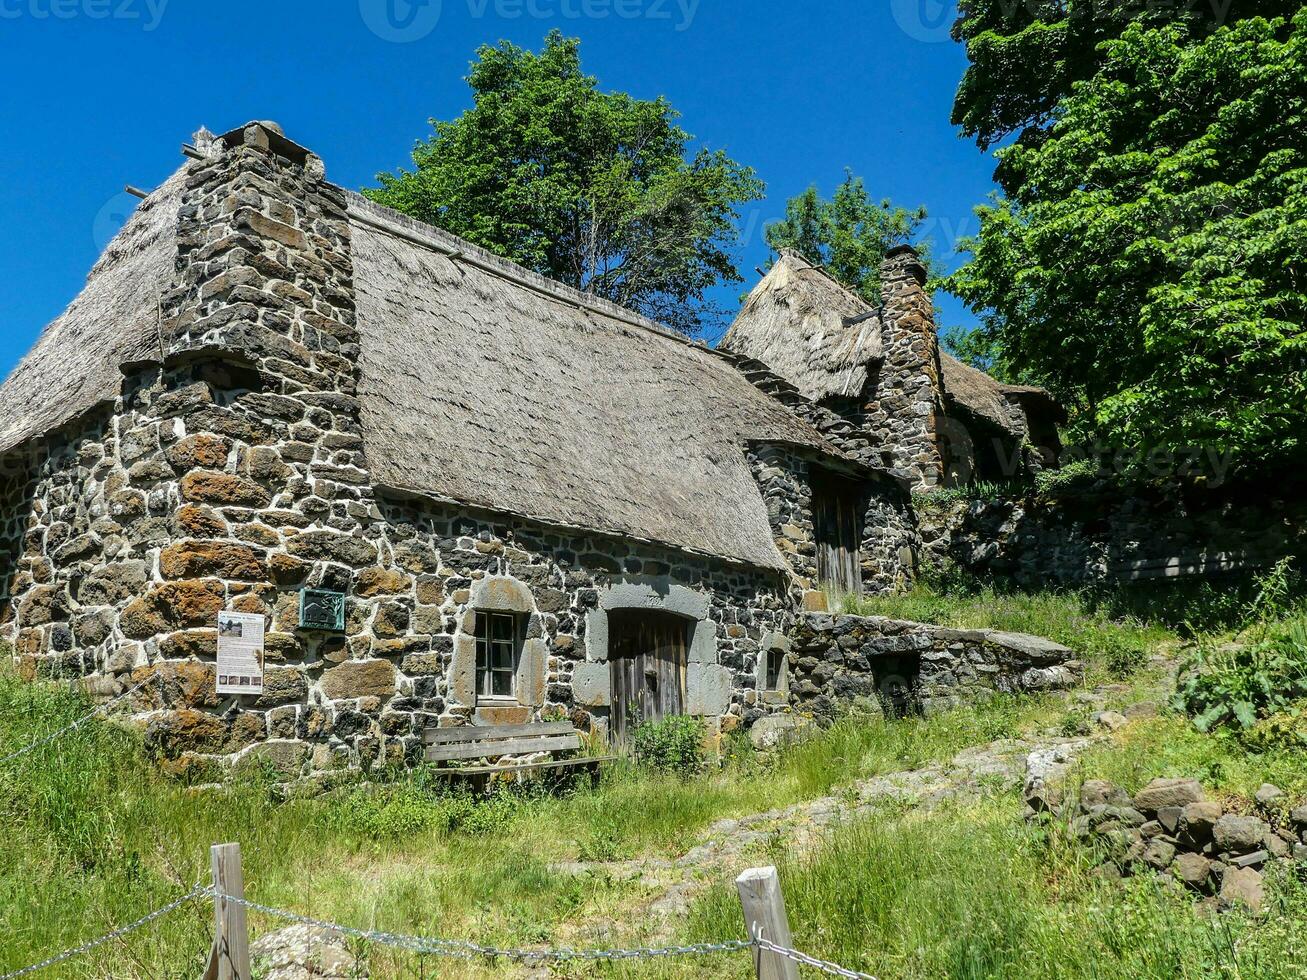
450, 948
108, 937
67, 729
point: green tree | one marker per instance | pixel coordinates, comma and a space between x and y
848, 235
598, 190
1148, 259
1025, 56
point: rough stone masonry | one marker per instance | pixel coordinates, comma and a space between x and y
230, 469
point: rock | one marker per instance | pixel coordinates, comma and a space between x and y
1151, 829
1144, 709
1168, 792
204, 452
1249, 860
359, 679
1158, 854
304, 953
1198, 819
1300, 853
1096, 792
1169, 817
773, 730
1298, 816
1113, 721
202, 486
1242, 886
113, 584
196, 559
1192, 869
1239, 834
373, 582
329, 546
1269, 793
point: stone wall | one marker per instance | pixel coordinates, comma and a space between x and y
837, 660
888, 538
231, 474
1111, 534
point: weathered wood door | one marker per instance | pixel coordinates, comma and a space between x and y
837, 506
647, 656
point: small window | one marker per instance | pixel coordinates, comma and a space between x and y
775, 668
498, 654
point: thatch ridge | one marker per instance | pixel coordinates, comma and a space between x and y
75, 365
486, 384
822, 338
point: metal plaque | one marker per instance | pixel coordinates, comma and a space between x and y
321, 609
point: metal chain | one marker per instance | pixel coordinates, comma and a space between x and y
793, 954
118, 933
468, 951
76, 725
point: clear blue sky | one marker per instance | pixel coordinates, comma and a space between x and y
101, 93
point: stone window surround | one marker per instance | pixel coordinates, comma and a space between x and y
708, 684
502, 594
780, 694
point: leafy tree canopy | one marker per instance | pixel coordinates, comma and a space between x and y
1149, 260
848, 235
595, 189
1026, 55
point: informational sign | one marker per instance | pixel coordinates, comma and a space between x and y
240, 653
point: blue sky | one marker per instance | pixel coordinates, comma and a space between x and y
101, 93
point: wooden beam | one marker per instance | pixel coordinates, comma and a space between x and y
521, 746
479, 733
765, 917
231, 936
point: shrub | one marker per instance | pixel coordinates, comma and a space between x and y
1238, 684
674, 744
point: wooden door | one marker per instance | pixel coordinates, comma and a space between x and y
647, 656
837, 507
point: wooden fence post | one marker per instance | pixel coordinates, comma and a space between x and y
765, 917
230, 956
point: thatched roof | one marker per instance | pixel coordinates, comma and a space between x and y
75, 365
809, 329
827, 341
489, 385
481, 383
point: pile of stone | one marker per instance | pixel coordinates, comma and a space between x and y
1172, 829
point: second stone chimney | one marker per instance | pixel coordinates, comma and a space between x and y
905, 403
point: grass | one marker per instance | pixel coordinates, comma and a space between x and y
1114, 642
95, 836
969, 891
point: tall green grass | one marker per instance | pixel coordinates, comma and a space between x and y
968, 891
1115, 641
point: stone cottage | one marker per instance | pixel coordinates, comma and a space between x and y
529, 502
450, 490
942, 422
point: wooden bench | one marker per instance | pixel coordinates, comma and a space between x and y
494, 742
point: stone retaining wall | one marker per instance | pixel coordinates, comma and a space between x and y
837, 660
1110, 535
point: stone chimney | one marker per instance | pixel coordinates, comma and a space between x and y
905, 403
